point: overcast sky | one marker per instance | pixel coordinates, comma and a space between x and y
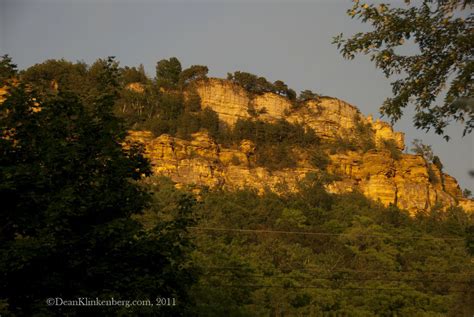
287, 40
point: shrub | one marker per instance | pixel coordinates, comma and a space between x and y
365, 137
193, 73
319, 159
432, 175
193, 102
340, 145
209, 120
307, 95
275, 156
391, 146
467, 193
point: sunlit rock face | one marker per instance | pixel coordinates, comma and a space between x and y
203, 162
3, 94
384, 131
136, 87
408, 182
229, 101
328, 117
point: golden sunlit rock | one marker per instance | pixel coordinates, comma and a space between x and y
201, 161
408, 182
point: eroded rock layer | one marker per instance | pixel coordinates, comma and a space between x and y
201, 161
328, 117
408, 181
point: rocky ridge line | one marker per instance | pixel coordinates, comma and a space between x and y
404, 182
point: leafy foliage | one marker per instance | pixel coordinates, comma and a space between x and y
442, 34
391, 146
467, 193
168, 72
363, 139
7, 68
427, 153
367, 260
193, 73
319, 158
130, 75
170, 104
422, 149
69, 191
274, 141
306, 95
259, 85
67, 75
78, 220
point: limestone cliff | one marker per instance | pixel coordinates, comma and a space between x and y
328, 117
405, 182
201, 161
408, 181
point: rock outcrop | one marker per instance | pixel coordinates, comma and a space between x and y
328, 117
201, 161
408, 181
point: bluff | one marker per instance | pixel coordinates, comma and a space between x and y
408, 181
328, 117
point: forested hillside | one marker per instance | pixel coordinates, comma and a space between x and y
82, 202
315, 254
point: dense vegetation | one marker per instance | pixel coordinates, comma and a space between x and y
169, 104
275, 142
357, 258
260, 85
69, 192
80, 219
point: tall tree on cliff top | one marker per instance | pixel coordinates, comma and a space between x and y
7, 68
167, 73
442, 32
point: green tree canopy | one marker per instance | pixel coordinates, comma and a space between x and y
442, 33
280, 87
307, 94
69, 191
133, 75
7, 68
167, 72
250, 82
194, 72
51, 74
423, 149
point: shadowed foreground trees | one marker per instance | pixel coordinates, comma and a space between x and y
71, 223
69, 191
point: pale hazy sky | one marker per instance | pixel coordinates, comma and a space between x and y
287, 40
